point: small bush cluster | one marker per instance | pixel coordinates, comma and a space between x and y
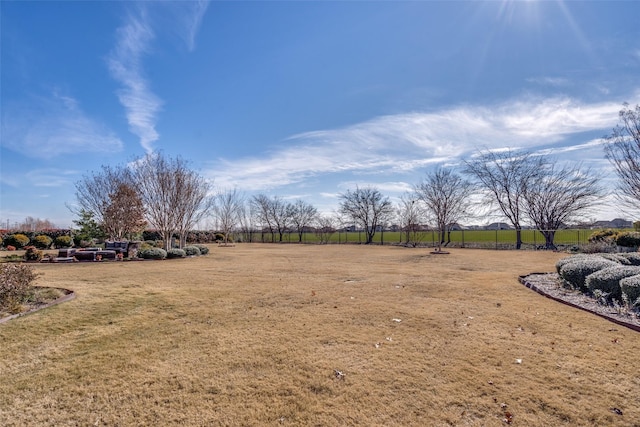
63, 242
33, 254
192, 251
575, 273
603, 236
176, 253
203, 249
152, 253
631, 287
608, 279
42, 241
17, 240
16, 285
632, 257
630, 239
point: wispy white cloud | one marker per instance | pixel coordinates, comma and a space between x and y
125, 63
549, 81
50, 177
404, 143
54, 125
133, 41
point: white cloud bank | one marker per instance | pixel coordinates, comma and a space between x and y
52, 126
406, 142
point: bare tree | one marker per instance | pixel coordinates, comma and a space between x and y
124, 216
93, 192
446, 197
175, 198
556, 196
228, 211
261, 211
623, 151
35, 224
503, 176
410, 214
367, 207
325, 227
302, 215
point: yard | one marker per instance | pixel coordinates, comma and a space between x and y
267, 334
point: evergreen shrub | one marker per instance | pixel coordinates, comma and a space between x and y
176, 253
18, 240
42, 241
203, 249
575, 273
192, 250
631, 286
152, 253
608, 279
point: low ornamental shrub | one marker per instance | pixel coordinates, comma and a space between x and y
616, 258
16, 285
603, 236
33, 254
562, 261
63, 242
176, 253
152, 253
192, 251
631, 287
11, 248
632, 257
628, 238
42, 241
18, 240
203, 249
575, 273
608, 279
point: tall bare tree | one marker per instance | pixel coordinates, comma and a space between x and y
175, 198
261, 211
325, 227
228, 211
124, 216
302, 215
623, 151
411, 215
367, 207
504, 176
35, 224
446, 197
558, 195
93, 192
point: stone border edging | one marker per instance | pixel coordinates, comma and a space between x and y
68, 297
523, 280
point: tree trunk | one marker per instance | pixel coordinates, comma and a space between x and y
518, 237
549, 236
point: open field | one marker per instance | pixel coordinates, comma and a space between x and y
253, 334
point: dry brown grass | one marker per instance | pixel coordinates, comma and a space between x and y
252, 334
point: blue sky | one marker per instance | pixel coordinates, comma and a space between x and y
304, 99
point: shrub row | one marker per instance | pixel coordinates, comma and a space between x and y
620, 238
150, 252
603, 272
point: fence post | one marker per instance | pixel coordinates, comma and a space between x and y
496, 239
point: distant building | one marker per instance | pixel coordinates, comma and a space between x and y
498, 226
614, 223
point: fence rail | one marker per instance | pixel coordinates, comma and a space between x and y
490, 239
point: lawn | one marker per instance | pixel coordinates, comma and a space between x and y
309, 335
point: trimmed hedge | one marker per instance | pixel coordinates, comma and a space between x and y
192, 251
176, 253
152, 253
63, 242
631, 286
632, 257
575, 273
628, 239
17, 240
608, 279
203, 249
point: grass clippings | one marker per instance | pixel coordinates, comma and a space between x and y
315, 335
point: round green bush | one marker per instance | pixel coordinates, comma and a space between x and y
203, 249
608, 279
631, 286
18, 241
192, 251
152, 253
575, 273
176, 253
628, 238
562, 261
63, 242
42, 241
